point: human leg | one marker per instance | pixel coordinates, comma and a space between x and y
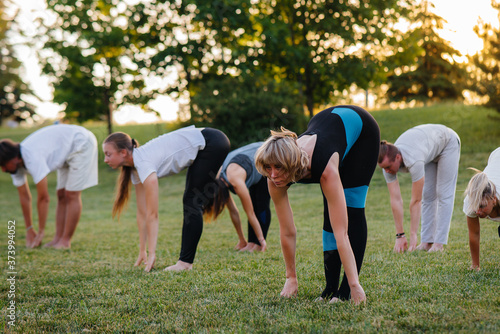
429, 207
260, 201
60, 217
200, 181
73, 200
447, 174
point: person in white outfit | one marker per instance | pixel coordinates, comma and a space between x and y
482, 201
430, 153
201, 150
69, 149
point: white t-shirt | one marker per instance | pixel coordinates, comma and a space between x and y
492, 171
419, 146
47, 150
167, 154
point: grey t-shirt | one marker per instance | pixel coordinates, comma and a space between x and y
244, 156
419, 146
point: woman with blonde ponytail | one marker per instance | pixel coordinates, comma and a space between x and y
339, 150
482, 201
201, 150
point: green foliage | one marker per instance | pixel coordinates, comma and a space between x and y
245, 109
13, 90
486, 64
96, 49
95, 287
425, 70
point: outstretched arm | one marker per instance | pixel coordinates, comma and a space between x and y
288, 234
415, 211
25, 200
140, 196
234, 214
42, 202
474, 237
334, 193
244, 194
151, 196
397, 212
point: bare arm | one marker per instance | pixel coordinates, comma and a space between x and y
236, 176
141, 223
398, 213
151, 196
43, 200
234, 214
25, 200
474, 237
415, 211
334, 193
288, 234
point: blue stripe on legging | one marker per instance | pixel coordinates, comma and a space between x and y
352, 124
356, 197
329, 242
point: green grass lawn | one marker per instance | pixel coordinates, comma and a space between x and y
94, 287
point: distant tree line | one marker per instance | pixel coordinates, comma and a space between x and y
245, 66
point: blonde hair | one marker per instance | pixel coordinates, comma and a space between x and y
479, 189
281, 149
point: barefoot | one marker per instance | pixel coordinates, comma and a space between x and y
334, 300
52, 243
180, 266
319, 299
424, 246
436, 248
62, 244
250, 247
240, 245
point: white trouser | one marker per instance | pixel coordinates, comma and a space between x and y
439, 193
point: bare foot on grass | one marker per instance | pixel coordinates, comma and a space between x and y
180, 266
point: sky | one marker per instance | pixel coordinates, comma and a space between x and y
461, 17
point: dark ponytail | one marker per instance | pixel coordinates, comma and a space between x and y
216, 205
122, 141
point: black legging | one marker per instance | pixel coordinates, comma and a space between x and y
260, 201
200, 180
335, 128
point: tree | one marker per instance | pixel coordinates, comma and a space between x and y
12, 88
97, 47
432, 74
247, 107
317, 47
485, 78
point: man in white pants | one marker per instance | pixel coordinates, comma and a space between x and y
430, 153
69, 149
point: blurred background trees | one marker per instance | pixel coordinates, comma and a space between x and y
246, 66
13, 89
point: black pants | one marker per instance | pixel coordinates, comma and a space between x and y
260, 201
200, 180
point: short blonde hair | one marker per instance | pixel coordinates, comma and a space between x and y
281, 149
479, 189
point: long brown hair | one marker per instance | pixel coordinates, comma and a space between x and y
218, 202
122, 141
